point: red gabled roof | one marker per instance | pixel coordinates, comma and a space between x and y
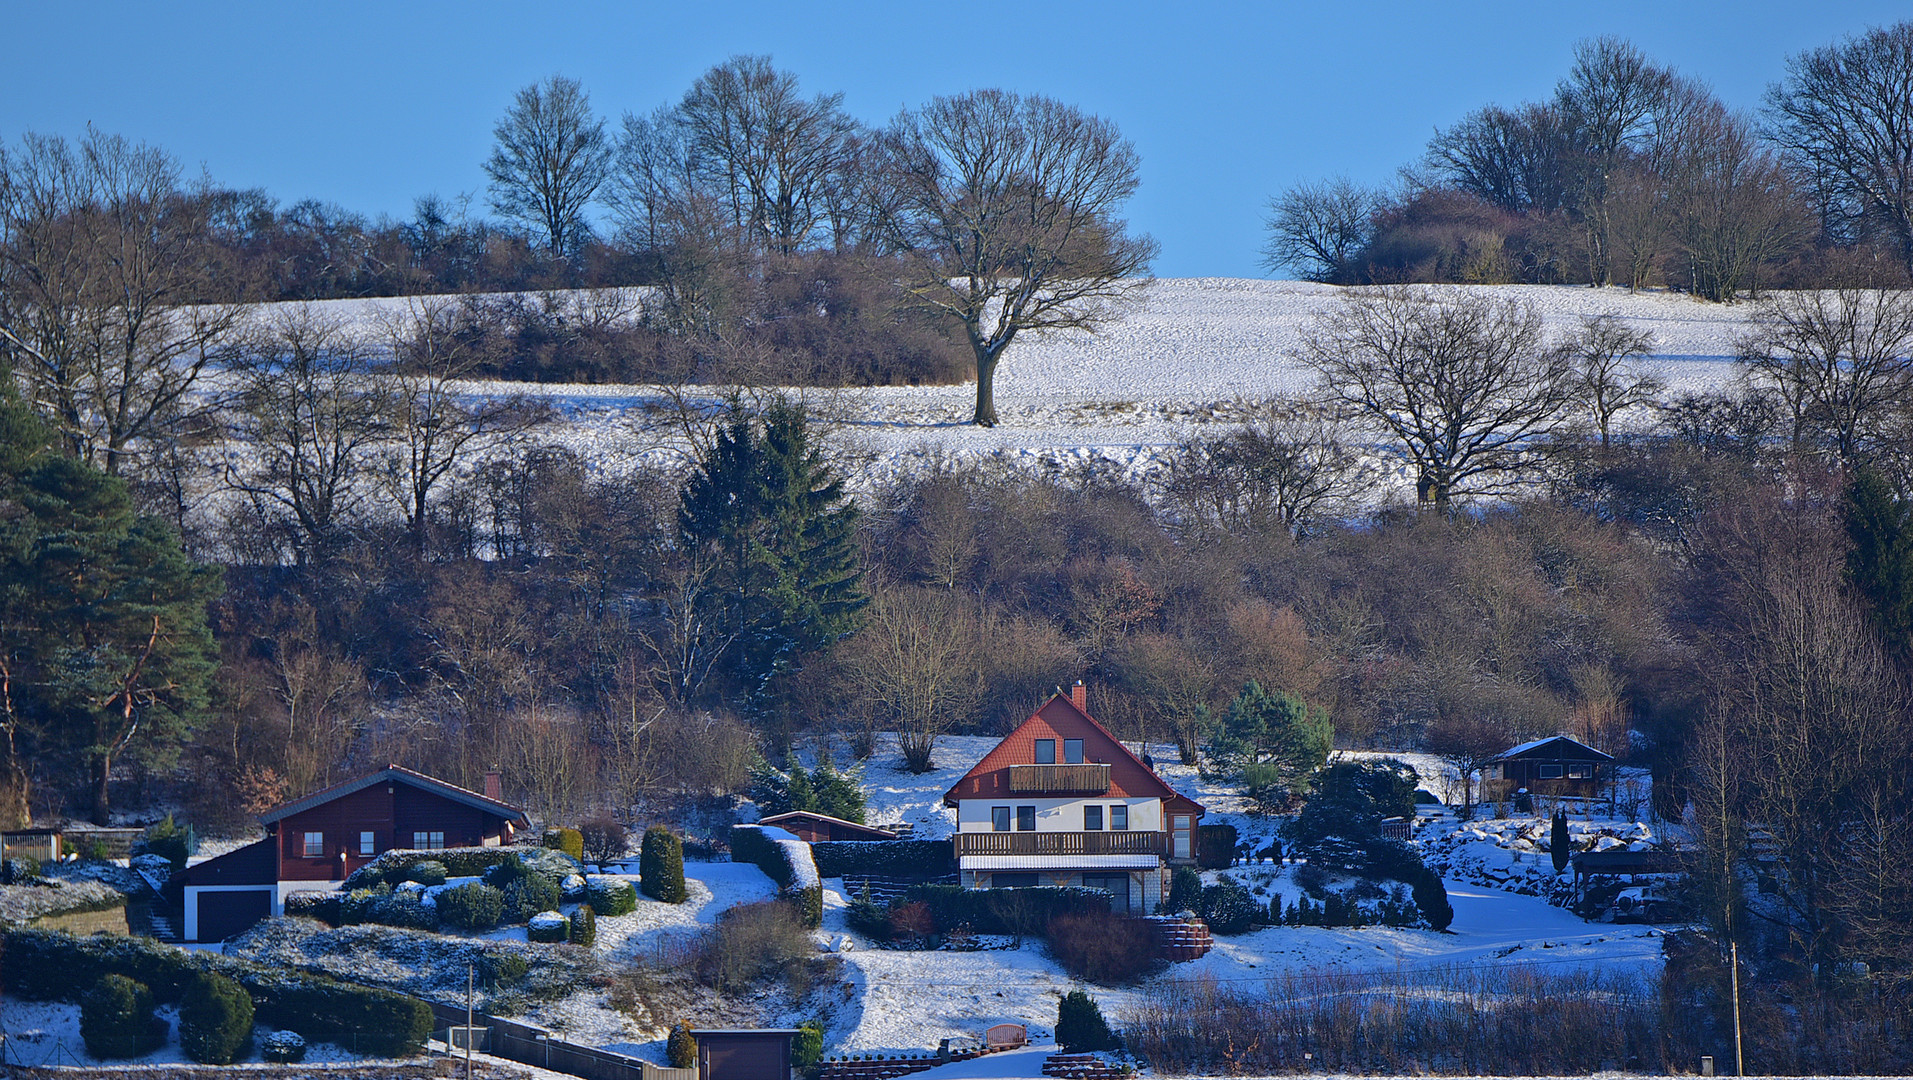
404, 776
1059, 718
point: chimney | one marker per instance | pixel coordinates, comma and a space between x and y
494, 785
1079, 696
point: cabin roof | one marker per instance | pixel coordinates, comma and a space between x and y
1558, 747
401, 775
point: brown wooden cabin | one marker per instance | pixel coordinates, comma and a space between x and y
818, 828
1556, 766
744, 1053
318, 841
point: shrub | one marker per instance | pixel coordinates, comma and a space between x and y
609, 895
913, 921
313, 904
396, 865
387, 908
1431, 898
1228, 908
808, 1048
869, 919
427, 872
904, 859
1006, 911
681, 1047
568, 840
1185, 891
1215, 846
550, 863
548, 927
215, 1020
283, 1048
584, 927
528, 896
1080, 1025
117, 1021
749, 942
19, 871
661, 865
471, 906
169, 839
1106, 949
604, 839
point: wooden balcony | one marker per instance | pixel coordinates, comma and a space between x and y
1059, 843
1059, 779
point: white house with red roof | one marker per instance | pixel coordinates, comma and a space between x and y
1061, 801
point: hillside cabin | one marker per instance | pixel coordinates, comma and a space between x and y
1556, 766
818, 828
315, 843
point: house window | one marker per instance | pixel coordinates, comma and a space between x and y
1580, 772
428, 840
1116, 885
368, 844
1013, 881
1118, 818
1026, 819
315, 845
1093, 819
1182, 840
1548, 772
1072, 751
1046, 751
999, 819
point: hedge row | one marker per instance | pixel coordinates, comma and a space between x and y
395, 866
1005, 911
46, 965
785, 861
903, 859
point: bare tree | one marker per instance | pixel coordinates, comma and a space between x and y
551, 157
1007, 214
434, 425
307, 419
1612, 101
917, 659
1463, 384
1602, 350
1844, 117
1518, 159
104, 267
1842, 361
1277, 471
1318, 229
1733, 209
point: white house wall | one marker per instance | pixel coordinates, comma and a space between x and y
1060, 815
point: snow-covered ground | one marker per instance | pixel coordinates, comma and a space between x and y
48, 1033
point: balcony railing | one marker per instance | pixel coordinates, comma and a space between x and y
1059, 779
1059, 843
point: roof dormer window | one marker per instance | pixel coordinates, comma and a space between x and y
1072, 751
1046, 750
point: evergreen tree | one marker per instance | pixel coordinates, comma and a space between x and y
1880, 563
767, 520
1080, 1025
1431, 897
661, 865
105, 653
1558, 841
1275, 740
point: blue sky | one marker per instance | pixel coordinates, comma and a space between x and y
371, 105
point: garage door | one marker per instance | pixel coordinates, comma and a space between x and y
733, 1058
223, 914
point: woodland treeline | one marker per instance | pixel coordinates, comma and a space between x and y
1635, 174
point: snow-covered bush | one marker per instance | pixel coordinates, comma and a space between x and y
906, 859
568, 840
395, 866
1228, 908
528, 896
584, 927
547, 926
786, 860
1080, 1025
283, 1047
387, 908
314, 904
427, 872
573, 887
471, 906
661, 865
608, 895
117, 1021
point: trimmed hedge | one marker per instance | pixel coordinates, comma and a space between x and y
528, 896
47, 965
799, 882
116, 1019
1023, 912
1215, 846
661, 865
568, 840
471, 906
386, 908
215, 1020
548, 928
584, 927
284, 1048
428, 872
395, 866
903, 859
313, 904
609, 895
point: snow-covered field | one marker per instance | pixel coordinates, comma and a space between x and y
1189, 354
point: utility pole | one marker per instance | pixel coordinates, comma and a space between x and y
470, 970
1740, 1065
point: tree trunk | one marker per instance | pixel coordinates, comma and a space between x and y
101, 805
985, 391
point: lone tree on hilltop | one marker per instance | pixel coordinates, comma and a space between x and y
1006, 210
551, 157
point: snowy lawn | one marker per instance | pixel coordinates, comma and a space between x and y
48, 1033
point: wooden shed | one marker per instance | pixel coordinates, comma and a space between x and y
818, 828
1557, 766
744, 1053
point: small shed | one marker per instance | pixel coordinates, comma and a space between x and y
818, 828
1556, 766
744, 1053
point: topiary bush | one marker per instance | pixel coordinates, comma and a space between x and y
548, 928
681, 1046
1080, 1026
661, 865
428, 872
1215, 846
117, 1021
471, 906
313, 904
215, 1020
283, 1048
807, 1049
1228, 908
1431, 898
609, 895
568, 840
1185, 891
528, 896
584, 927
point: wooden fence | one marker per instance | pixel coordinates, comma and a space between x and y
531, 1045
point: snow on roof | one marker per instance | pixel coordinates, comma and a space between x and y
1533, 744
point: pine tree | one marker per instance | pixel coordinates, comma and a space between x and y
1431, 897
1880, 563
767, 518
1080, 1025
1275, 739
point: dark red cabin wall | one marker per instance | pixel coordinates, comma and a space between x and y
341, 820
421, 811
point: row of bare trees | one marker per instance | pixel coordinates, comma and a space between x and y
1634, 174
